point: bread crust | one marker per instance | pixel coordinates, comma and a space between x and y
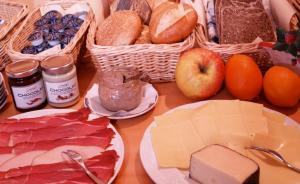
177, 31
144, 38
120, 28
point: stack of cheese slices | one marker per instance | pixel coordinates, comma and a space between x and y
235, 124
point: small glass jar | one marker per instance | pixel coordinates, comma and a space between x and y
116, 92
60, 78
26, 84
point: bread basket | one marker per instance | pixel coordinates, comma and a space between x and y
226, 50
13, 14
19, 39
260, 55
157, 60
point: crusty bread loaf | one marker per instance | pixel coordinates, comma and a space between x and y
242, 21
144, 38
172, 22
120, 28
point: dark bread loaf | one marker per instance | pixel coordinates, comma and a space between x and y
140, 6
242, 21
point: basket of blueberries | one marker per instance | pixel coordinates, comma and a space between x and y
52, 29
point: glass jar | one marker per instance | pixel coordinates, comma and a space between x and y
60, 78
119, 89
26, 85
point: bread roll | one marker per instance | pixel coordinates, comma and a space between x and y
120, 28
144, 37
172, 22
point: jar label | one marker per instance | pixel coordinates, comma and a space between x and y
29, 96
62, 92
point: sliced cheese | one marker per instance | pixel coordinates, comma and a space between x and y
250, 108
226, 107
206, 128
237, 143
173, 145
255, 124
231, 124
268, 141
179, 116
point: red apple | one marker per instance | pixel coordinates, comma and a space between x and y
199, 73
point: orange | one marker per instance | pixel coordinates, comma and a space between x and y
243, 78
281, 86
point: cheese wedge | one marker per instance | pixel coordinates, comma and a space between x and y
217, 164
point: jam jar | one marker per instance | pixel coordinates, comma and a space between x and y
26, 85
60, 78
119, 89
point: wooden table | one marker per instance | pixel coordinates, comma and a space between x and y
133, 129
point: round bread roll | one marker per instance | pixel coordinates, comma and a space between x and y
120, 28
172, 22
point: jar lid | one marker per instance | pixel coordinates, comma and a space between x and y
21, 69
56, 65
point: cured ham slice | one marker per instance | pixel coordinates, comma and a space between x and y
101, 138
31, 149
63, 172
13, 125
53, 133
81, 114
5, 150
21, 160
48, 157
5, 157
55, 155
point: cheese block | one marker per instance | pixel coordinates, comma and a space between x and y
217, 164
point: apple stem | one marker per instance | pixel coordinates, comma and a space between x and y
202, 69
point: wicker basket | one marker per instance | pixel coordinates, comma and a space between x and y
261, 56
19, 39
12, 14
157, 60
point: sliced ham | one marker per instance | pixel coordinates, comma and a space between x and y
64, 172
45, 121
81, 114
55, 155
105, 161
48, 157
53, 133
101, 138
5, 157
6, 150
21, 160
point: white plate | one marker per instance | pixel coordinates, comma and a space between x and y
148, 101
171, 175
117, 142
